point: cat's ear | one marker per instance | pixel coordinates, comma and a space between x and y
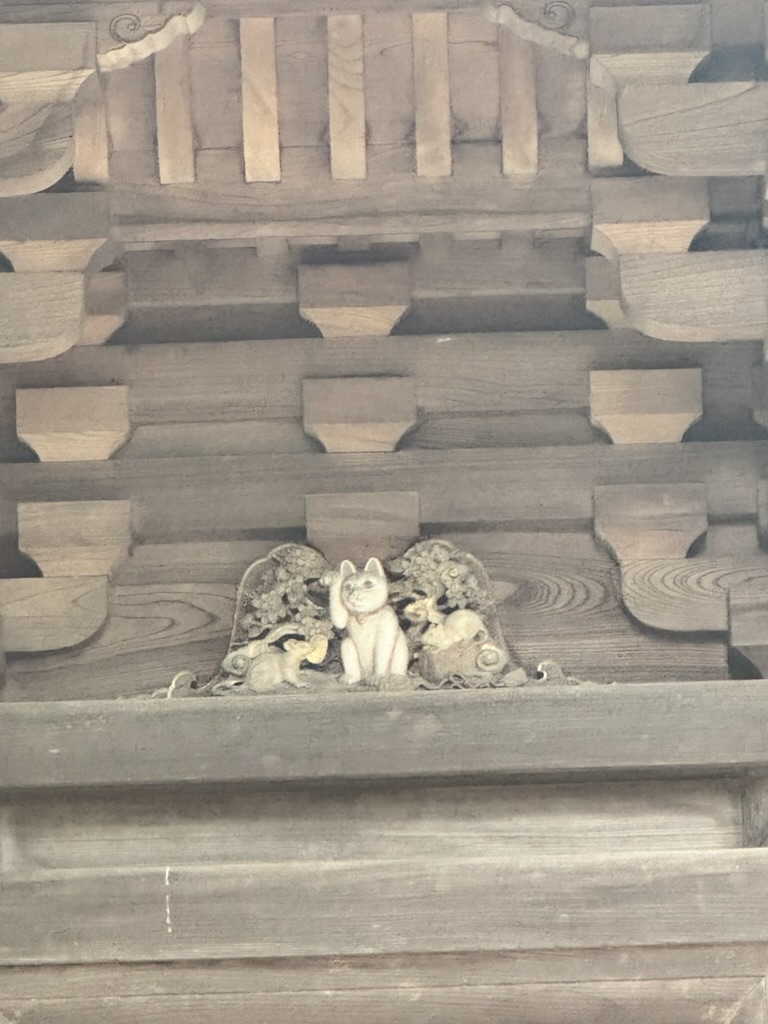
374, 565
346, 569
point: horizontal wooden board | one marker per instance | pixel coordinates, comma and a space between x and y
455, 374
687, 1001
442, 905
212, 825
656, 727
222, 498
743, 964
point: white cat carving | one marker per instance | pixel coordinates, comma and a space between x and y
375, 646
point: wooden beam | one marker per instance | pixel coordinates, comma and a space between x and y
501, 905
173, 103
179, 498
748, 618
346, 97
433, 105
653, 215
519, 113
91, 155
261, 131
685, 1001
41, 314
523, 732
650, 521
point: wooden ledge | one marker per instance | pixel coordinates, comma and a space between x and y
652, 728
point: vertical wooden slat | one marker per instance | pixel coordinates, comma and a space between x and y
433, 107
175, 138
519, 119
346, 97
91, 160
261, 132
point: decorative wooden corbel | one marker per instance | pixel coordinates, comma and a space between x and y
75, 538
748, 617
379, 524
556, 24
43, 66
354, 300
645, 406
73, 424
359, 414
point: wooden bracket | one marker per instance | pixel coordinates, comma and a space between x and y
75, 538
359, 414
645, 406
381, 524
354, 300
73, 424
638, 521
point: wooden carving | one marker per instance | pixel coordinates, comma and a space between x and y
424, 620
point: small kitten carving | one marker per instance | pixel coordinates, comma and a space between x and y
375, 646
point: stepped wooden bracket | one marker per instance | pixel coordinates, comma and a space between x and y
645, 226
645, 406
647, 215
356, 300
359, 414
649, 46
73, 424
57, 297
650, 530
42, 68
75, 538
380, 524
748, 616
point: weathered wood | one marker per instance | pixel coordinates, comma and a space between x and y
645, 406
216, 95
753, 1009
77, 538
519, 114
433, 105
359, 526
48, 614
54, 231
603, 291
91, 152
686, 1001
647, 214
481, 735
179, 498
389, 88
41, 315
473, 72
346, 96
352, 301
92, 831
302, 83
105, 307
452, 905
261, 132
698, 296
235, 438
688, 595
46, 63
707, 128
73, 424
650, 521
748, 616
175, 139
359, 414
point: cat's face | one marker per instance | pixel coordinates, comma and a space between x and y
363, 590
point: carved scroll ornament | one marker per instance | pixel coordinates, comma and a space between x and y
425, 620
